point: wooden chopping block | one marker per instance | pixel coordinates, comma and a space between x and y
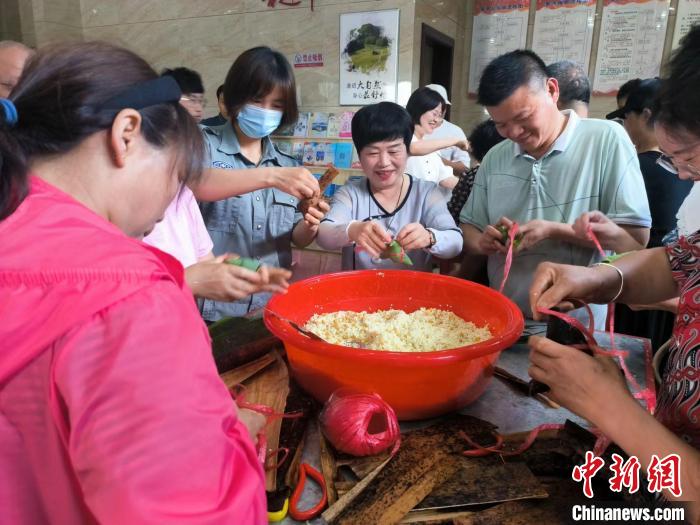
426, 459
270, 388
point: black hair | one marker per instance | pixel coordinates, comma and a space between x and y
254, 74
422, 100
61, 100
482, 138
678, 104
189, 80
574, 85
507, 73
625, 89
219, 91
644, 96
381, 122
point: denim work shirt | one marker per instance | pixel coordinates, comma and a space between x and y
257, 225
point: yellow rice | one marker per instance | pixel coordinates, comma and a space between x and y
424, 330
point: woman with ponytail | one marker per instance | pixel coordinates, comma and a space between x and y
111, 410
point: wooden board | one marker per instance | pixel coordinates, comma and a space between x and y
426, 459
328, 466
239, 375
270, 388
481, 481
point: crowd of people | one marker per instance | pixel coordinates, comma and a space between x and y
120, 207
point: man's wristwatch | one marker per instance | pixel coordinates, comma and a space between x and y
433, 240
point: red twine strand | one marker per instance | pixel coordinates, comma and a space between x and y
645, 394
237, 393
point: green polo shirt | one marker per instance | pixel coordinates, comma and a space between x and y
591, 166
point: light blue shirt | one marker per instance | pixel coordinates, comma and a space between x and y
591, 166
424, 203
257, 225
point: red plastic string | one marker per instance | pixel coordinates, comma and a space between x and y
611, 307
237, 393
345, 422
279, 462
592, 237
512, 232
497, 448
646, 393
639, 393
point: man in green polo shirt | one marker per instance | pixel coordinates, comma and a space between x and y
553, 169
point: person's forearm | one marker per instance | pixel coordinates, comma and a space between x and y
332, 236
627, 238
448, 243
471, 239
457, 167
449, 182
634, 238
424, 147
303, 234
639, 434
647, 279
218, 183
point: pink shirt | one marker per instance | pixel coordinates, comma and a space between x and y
182, 233
111, 409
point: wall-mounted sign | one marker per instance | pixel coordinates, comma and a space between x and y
631, 42
499, 26
310, 59
564, 30
369, 57
687, 16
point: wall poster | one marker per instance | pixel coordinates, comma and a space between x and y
369, 49
687, 15
631, 42
564, 30
499, 26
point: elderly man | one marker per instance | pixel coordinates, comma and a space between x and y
13, 55
454, 157
553, 169
574, 86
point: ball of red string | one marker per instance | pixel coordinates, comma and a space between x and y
360, 424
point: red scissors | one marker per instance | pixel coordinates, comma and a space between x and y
303, 515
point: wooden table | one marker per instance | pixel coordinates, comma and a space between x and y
501, 405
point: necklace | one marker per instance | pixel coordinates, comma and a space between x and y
393, 216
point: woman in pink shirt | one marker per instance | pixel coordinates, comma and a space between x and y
110, 407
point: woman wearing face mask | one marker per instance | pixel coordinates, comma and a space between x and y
260, 95
111, 410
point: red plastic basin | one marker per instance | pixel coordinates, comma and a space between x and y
416, 385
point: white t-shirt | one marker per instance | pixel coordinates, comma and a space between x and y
182, 233
448, 130
428, 167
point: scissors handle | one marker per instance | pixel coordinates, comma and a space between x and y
303, 515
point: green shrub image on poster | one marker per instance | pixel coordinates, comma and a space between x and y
367, 50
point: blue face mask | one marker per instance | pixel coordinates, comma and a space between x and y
257, 122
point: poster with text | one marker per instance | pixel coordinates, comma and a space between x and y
687, 15
369, 48
631, 42
564, 30
499, 26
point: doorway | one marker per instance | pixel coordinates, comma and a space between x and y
436, 55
